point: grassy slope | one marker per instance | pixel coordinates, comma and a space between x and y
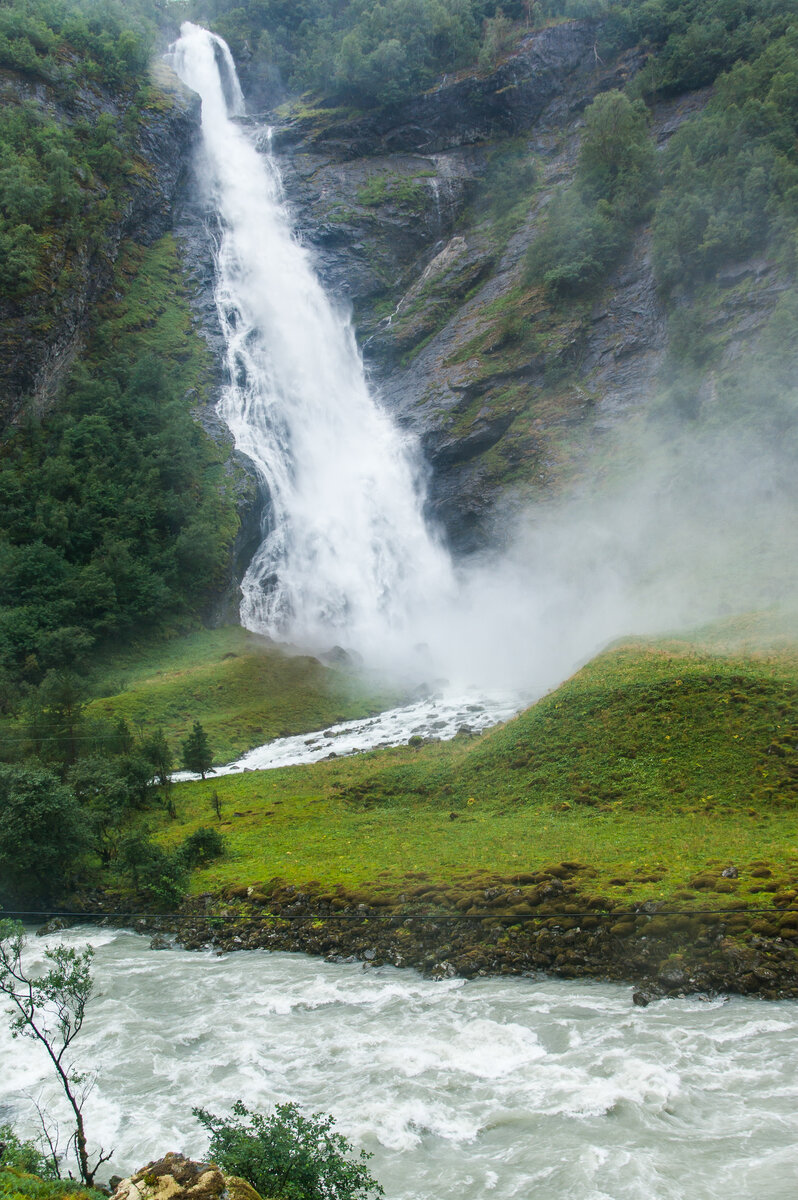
655, 766
16, 1184
242, 688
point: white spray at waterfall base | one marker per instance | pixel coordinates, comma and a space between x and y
347, 556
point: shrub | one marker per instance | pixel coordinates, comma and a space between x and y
288, 1155
24, 1156
42, 832
158, 876
202, 845
588, 224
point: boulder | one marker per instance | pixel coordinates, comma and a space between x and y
174, 1177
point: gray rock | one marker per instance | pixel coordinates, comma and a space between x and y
54, 925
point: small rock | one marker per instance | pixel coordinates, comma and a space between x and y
54, 925
159, 942
730, 873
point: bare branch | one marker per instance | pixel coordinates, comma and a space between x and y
51, 1009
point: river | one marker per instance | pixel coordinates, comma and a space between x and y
528, 1088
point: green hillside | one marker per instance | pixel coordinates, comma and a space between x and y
655, 767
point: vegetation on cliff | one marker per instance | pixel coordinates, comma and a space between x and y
117, 513
64, 175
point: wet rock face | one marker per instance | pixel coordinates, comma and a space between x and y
32, 367
508, 399
386, 204
174, 1177
470, 109
376, 197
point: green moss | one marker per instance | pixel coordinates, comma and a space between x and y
19, 1185
388, 187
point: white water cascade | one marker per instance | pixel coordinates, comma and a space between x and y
346, 555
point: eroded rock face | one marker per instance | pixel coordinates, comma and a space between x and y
32, 366
510, 398
174, 1177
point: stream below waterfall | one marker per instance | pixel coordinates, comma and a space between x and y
438, 717
525, 1087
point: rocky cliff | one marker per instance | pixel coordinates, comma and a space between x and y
41, 334
421, 218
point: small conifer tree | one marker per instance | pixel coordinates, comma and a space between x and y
197, 754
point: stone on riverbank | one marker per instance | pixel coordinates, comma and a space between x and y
174, 1177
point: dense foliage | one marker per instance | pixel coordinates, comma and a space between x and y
115, 512
359, 51
731, 175
22, 1156
64, 176
362, 52
590, 221
697, 40
287, 1155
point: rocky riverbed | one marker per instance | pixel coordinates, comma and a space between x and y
539, 924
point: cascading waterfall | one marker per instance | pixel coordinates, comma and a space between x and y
346, 554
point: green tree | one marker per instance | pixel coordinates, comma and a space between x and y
157, 876
288, 1155
105, 797
25, 1156
497, 40
50, 1009
157, 751
197, 754
56, 718
43, 833
201, 846
617, 159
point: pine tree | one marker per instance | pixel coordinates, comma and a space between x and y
197, 754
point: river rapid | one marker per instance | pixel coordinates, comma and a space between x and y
516, 1087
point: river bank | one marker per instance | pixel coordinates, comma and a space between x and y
659, 949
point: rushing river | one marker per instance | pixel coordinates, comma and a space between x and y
528, 1088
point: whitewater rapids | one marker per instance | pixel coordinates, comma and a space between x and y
519, 1088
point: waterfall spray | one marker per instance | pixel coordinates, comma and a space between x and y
346, 554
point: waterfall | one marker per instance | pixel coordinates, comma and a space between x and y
345, 555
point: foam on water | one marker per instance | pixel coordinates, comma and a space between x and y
528, 1087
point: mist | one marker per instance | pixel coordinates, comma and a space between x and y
697, 522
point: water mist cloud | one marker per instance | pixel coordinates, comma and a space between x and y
701, 524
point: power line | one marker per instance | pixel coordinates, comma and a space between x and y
437, 915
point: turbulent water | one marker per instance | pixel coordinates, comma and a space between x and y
519, 1087
346, 555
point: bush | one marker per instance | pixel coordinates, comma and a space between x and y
288, 1155
157, 876
732, 172
201, 846
588, 224
23, 1156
